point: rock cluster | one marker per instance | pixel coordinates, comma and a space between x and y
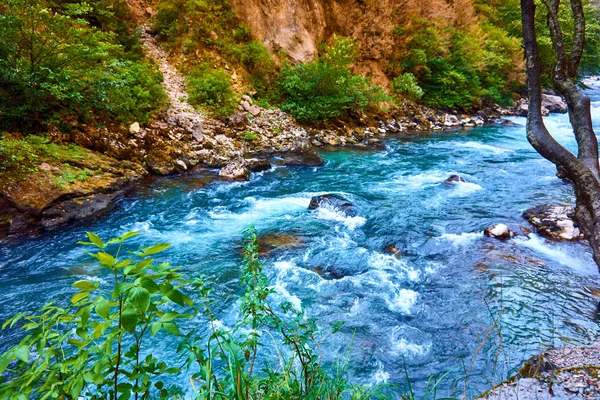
562, 373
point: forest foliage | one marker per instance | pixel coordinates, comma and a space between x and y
63, 60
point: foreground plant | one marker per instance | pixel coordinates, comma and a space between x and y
100, 345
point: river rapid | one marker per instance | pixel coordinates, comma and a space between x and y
453, 300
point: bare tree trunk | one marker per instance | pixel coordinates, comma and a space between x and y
583, 169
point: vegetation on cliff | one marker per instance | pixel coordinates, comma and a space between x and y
68, 61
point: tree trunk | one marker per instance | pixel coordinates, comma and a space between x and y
583, 169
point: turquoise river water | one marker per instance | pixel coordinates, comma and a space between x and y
432, 308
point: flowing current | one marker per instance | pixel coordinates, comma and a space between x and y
452, 300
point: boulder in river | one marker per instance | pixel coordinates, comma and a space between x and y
307, 157
258, 164
498, 231
280, 241
335, 202
554, 104
236, 170
454, 178
554, 222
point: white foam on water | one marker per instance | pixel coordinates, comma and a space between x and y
355, 309
402, 346
461, 240
555, 253
422, 180
483, 147
380, 376
330, 214
388, 262
402, 301
461, 189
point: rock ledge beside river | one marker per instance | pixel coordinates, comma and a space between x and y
570, 372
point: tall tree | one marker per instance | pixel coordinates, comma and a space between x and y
582, 169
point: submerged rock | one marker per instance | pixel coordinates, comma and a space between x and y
333, 201
498, 231
272, 242
236, 170
454, 178
554, 221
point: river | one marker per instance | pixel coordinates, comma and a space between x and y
452, 300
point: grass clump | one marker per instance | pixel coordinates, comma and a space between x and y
327, 88
211, 89
249, 136
24, 155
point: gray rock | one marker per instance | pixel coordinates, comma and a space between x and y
235, 171
554, 104
78, 208
254, 110
333, 201
181, 164
258, 164
245, 105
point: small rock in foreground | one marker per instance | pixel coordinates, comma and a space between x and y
498, 231
333, 201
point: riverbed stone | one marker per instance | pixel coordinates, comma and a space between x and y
498, 231
335, 202
454, 179
556, 222
258, 164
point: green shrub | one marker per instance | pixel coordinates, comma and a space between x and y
249, 136
326, 88
67, 67
407, 86
211, 89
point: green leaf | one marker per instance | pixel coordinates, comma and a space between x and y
85, 285
95, 239
155, 327
140, 298
5, 359
157, 248
169, 316
149, 285
176, 297
128, 235
79, 296
105, 259
121, 288
22, 353
103, 309
171, 328
129, 320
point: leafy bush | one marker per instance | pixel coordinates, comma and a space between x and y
406, 85
458, 67
64, 67
326, 88
99, 345
211, 89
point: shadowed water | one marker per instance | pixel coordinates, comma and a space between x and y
453, 300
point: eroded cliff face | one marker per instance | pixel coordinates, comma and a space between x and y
296, 27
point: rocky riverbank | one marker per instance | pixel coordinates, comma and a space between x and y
571, 372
